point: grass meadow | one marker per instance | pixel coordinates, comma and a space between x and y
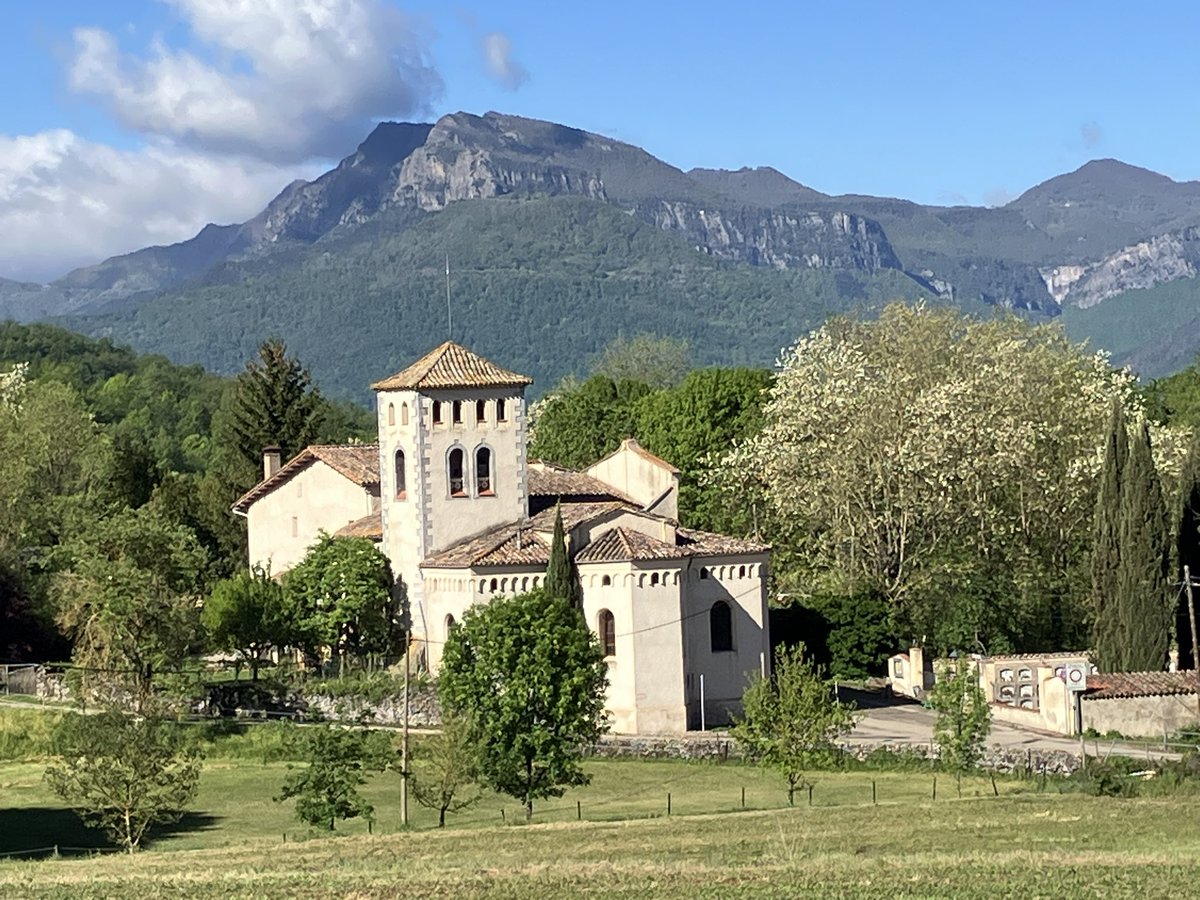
867, 834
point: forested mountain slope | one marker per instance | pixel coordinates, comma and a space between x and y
560, 239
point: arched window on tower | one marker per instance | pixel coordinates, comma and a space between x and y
391, 413
606, 627
403, 413
720, 627
501, 410
450, 623
480, 412
401, 477
437, 412
455, 465
456, 412
483, 472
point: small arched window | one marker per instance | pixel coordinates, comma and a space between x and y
606, 581
401, 478
483, 472
403, 413
741, 571
456, 412
455, 466
495, 585
703, 573
480, 411
437, 412
720, 627
391, 413
501, 410
654, 579
450, 623
606, 626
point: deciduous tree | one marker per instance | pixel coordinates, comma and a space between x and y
942, 463
963, 718
124, 773
338, 763
791, 718
445, 769
129, 599
343, 597
530, 677
657, 361
247, 614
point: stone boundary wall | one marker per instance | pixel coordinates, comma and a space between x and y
714, 747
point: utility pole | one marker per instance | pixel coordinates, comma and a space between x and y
449, 312
404, 739
1187, 586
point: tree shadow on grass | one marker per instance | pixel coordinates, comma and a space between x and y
33, 832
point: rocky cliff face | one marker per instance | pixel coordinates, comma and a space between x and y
1164, 258
435, 176
783, 240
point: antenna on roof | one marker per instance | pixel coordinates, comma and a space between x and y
449, 314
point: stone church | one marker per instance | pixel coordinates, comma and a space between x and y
463, 515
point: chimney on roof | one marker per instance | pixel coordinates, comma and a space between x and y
272, 460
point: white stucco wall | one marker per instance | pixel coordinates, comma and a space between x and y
741, 583
659, 691
428, 519
652, 484
1152, 717
282, 525
617, 598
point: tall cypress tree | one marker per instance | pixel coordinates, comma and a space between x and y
1143, 573
1187, 546
560, 574
1106, 544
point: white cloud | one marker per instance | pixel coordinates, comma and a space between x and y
287, 79
501, 67
66, 202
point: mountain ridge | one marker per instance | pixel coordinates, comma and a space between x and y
1078, 239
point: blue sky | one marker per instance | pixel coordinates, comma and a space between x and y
130, 122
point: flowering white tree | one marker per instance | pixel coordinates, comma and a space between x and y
942, 463
12, 385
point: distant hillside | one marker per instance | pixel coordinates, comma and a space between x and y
540, 285
560, 239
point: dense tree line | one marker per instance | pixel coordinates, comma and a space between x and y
684, 418
90, 431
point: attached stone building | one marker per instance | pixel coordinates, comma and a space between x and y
464, 516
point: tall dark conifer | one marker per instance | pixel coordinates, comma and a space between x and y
560, 574
274, 402
1187, 547
1143, 574
1106, 544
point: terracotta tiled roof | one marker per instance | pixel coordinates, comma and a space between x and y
551, 481
1109, 685
705, 543
368, 526
357, 462
1056, 656
575, 513
620, 544
509, 545
499, 547
449, 366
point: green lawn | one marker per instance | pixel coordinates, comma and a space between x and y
1027, 845
236, 803
237, 842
